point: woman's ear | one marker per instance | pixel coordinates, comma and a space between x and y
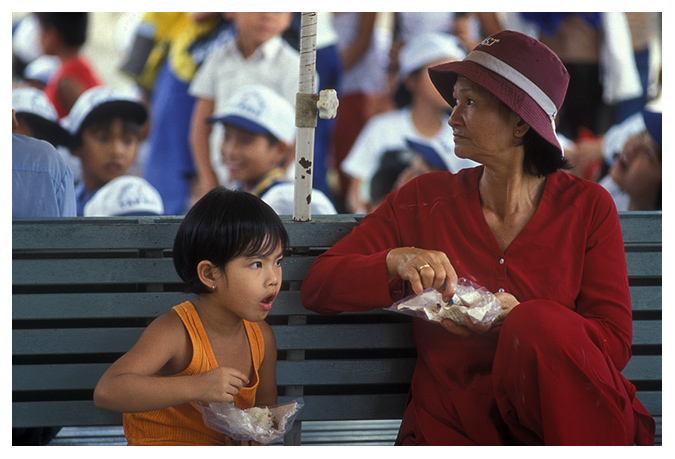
521, 128
208, 274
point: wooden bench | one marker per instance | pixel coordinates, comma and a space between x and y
84, 290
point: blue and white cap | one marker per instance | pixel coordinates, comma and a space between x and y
261, 110
125, 196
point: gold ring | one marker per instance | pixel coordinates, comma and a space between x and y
419, 270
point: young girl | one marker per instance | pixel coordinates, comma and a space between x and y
216, 348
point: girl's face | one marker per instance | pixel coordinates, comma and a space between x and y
638, 169
248, 285
107, 152
249, 156
483, 129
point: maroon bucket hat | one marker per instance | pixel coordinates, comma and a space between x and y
520, 71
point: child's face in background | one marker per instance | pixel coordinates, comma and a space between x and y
107, 152
249, 285
249, 156
254, 29
638, 169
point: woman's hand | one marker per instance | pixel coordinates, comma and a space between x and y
507, 301
423, 269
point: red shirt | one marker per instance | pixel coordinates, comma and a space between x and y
571, 252
76, 68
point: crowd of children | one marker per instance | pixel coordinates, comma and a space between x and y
208, 132
187, 66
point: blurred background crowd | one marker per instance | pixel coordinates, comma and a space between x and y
135, 105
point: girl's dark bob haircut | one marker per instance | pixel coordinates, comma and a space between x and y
223, 225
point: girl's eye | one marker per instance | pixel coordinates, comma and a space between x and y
257, 264
279, 261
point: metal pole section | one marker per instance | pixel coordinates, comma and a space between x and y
305, 119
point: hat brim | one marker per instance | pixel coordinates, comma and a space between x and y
125, 109
242, 123
50, 131
445, 76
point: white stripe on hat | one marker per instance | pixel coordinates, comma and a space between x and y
514, 76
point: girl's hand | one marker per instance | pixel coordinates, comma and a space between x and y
507, 301
221, 384
423, 269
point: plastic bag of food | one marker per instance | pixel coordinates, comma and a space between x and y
264, 424
471, 300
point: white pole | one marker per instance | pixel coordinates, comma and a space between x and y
305, 119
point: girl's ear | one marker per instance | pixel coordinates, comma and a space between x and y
207, 273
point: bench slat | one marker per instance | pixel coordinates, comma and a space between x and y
84, 376
121, 339
124, 233
644, 368
122, 305
317, 408
97, 271
642, 227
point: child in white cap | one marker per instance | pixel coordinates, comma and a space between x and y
105, 124
423, 118
125, 196
259, 133
36, 116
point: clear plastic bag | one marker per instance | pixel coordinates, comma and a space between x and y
471, 300
262, 424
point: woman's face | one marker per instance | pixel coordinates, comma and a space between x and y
637, 171
483, 127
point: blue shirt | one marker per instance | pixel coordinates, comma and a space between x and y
42, 183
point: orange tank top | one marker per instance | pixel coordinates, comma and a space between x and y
183, 424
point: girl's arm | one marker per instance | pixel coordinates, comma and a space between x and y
267, 387
130, 384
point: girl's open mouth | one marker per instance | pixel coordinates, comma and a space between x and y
266, 303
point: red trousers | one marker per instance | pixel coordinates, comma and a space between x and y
553, 384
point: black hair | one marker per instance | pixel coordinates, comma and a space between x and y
542, 158
72, 27
102, 117
223, 225
44, 129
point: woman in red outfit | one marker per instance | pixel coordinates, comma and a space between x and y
548, 371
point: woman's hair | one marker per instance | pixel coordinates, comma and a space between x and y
542, 158
221, 226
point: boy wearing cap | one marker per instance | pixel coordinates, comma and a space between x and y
423, 118
259, 131
257, 55
36, 117
105, 125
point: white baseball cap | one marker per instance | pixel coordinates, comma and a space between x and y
261, 110
99, 98
423, 49
125, 196
281, 198
31, 101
